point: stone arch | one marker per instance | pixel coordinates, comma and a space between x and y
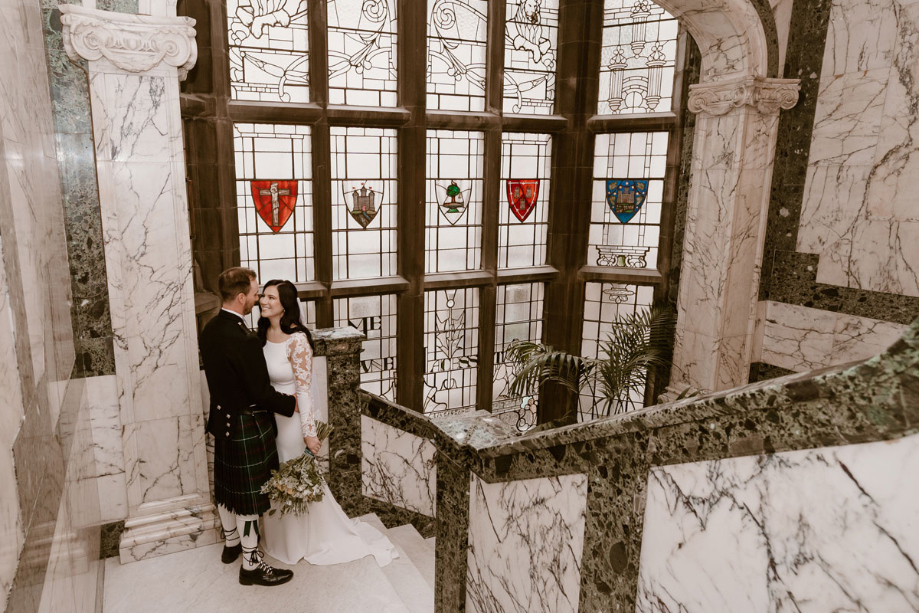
736, 37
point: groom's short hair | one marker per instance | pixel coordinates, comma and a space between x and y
235, 281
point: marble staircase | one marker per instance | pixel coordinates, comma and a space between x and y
195, 580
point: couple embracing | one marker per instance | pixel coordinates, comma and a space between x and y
261, 414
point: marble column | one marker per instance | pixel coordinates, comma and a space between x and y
135, 63
722, 251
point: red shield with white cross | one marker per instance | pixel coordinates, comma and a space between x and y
521, 196
274, 201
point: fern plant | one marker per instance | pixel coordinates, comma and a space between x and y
638, 347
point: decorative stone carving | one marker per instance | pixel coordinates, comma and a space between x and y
132, 43
768, 96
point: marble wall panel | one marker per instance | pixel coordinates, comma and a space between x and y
859, 210
398, 467
843, 538
800, 339
539, 520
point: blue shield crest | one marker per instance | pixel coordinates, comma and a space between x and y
626, 196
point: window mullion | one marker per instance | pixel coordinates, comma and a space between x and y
319, 51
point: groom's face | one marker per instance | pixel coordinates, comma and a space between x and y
251, 297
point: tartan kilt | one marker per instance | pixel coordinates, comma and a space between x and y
243, 463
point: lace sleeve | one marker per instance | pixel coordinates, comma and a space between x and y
301, 359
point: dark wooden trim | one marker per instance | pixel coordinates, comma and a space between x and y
471, 278
363, 117
535, 123
602, 274
527, 275
647, 122
365, 287
249, 111
447, 120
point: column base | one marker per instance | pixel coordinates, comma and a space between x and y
157, 535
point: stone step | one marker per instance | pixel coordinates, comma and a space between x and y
421, 552
405, 578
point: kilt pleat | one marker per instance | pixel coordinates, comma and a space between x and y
243, 463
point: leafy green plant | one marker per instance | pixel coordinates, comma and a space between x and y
638, 347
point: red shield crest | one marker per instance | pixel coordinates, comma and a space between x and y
521, 196
274, 201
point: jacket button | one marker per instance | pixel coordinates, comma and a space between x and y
228, 434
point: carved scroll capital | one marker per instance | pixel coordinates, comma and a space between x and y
768, 96
132, 43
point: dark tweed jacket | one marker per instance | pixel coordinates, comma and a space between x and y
237, 376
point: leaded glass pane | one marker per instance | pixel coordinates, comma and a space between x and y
363, 202
451, 348
638, 58
269, 50
518, 317
457, 34
375, 317
526, 165
627, 197
274, 200
453, 223
603, 303
362, 52
530, 48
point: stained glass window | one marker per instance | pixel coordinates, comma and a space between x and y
628, 190
603, 303
375, 317
274, 200
363, 202
638, 57
362, 52
526, 165
453, 223
518, 316
457, 35
530, 48
269, 50
451, 339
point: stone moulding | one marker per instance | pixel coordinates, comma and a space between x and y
768, 96
132, 43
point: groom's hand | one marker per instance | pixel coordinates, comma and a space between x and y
313, 444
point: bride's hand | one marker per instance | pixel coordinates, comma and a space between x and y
313, 444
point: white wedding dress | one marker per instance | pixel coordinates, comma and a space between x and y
325, 535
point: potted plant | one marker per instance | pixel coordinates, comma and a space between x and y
638, 348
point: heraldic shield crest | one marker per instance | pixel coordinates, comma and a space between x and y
363, 202
521, 196
453, 200
625, 197
274, 201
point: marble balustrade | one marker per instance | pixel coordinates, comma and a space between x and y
783, 478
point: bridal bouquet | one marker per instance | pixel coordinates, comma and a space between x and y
297, 482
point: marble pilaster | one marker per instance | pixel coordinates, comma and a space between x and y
135, 63
725, 227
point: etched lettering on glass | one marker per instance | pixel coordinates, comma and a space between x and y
451, 349
375, 318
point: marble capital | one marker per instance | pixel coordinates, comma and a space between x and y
129, 43
767, 96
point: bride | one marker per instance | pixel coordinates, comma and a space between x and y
324, 535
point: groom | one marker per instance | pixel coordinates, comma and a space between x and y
242, 422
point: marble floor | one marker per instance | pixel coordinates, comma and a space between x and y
195, 580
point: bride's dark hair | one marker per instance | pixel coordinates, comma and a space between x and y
290, 320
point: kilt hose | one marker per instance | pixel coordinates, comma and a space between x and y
243, 463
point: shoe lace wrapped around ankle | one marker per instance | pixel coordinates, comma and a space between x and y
258, 558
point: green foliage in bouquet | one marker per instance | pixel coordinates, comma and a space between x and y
297, 482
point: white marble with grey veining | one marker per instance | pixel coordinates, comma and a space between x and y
801, 338
398, 467
832, 529
526, 540
859, 210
